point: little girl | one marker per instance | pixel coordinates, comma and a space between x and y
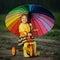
24, 29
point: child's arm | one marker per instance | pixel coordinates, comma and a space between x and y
31, 26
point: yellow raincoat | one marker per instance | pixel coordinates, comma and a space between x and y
24, 29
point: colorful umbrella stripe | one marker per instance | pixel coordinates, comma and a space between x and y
41, 19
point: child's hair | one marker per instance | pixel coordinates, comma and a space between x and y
24, 15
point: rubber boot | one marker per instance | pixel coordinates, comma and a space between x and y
25, 50
35, 52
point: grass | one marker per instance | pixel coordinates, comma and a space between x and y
53, 34
57, 20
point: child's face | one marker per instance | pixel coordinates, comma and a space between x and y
24, 19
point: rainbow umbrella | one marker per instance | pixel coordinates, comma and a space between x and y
42, 20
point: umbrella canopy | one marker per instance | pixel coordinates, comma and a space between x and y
42, 20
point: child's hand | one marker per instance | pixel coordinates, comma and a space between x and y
29, 34
30, 24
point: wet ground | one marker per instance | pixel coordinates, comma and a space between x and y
49, 49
